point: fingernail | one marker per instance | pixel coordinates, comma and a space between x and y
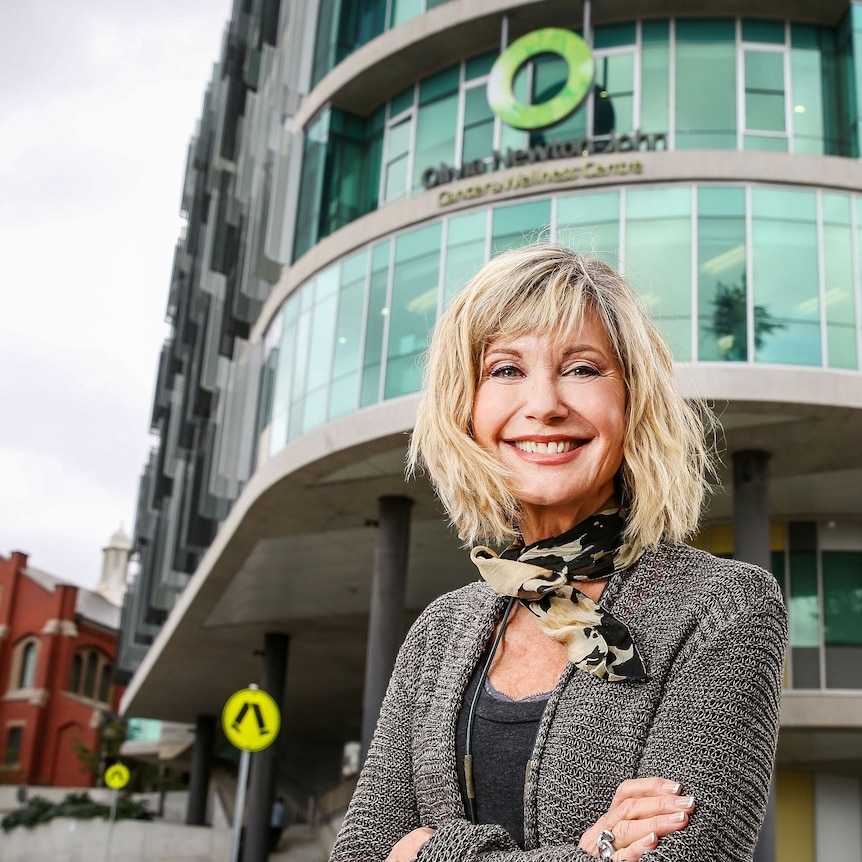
684, 802
680, 815
650, 840
671, 787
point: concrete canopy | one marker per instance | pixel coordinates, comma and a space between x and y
295, 554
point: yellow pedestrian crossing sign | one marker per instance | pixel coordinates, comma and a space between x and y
250, 719
117, 776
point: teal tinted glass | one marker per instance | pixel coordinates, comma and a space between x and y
590, 223
375, 322
785, 272
344, 394
413, 308
402, 101
614, 35
764, 90
655, 76
763, 31
478, 125
840, 295
478, 67
842, 597
397, 158
705, 84
435, 136
804, 609
323, 329
615, 83
519, 224
807, 109
404, 10
444, 83
658, 261
722, 294
465, 251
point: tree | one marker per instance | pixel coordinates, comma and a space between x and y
730, 321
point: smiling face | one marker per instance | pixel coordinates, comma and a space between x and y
552, 411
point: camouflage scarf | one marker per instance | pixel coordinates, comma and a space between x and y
541, 576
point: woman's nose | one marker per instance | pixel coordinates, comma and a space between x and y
545, 402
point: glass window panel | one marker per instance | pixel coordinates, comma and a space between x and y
300, 368
721, 287
765, 143
764, 90
549, 73
397, 148
705, 84
785, 272
402, 101
442, 84
415, 291
375, 324
839, 287
465, 251
842, 610
104, 684
321, 344
655, 77
404, 10
478, 67
614, 35
27, 674
478, 125
763, 31
519, 224
807, 109
435, 136
589, 223
615, 85
804, 609
348, 337
658, 259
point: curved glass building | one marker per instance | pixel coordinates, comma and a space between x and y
356, 161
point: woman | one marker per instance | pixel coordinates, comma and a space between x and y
605, 690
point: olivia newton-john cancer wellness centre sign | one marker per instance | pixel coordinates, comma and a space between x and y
503, 102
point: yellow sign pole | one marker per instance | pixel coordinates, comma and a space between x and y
251, 721
116, 776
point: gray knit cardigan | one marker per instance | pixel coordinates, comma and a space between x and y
713, 634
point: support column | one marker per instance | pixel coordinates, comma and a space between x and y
751, 507
751, 543
386, 613
199, 780
262, 782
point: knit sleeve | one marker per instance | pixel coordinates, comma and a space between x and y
716, 732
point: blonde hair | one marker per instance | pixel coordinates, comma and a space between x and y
544, 288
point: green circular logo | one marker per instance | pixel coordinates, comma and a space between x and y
552, 40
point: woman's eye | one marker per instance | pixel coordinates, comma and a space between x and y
583, 371
505, 372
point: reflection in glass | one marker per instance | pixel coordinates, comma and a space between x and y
413, 306
658, 252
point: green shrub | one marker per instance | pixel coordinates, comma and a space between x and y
77, 805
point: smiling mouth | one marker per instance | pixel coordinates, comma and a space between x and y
554, 447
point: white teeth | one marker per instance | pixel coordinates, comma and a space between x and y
553, 448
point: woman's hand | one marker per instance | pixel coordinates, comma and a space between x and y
407, 848
643, 810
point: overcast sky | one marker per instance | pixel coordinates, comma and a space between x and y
98, 101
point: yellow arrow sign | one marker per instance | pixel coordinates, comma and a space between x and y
117, 776
250, 719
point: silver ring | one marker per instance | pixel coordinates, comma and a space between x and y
605, 844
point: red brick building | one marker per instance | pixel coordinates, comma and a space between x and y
58, 645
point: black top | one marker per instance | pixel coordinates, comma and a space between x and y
504, 733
